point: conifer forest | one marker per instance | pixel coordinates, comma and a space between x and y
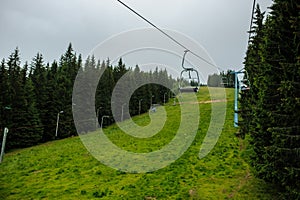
270, 110
34, 94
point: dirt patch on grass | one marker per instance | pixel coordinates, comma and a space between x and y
241, 184
205, 102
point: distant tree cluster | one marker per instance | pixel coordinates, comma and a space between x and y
141, 89
270, 110
223, 79
32, 95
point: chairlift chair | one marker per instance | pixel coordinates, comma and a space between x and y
245, 81
193, 81
224, 81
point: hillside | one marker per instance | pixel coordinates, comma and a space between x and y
64, 169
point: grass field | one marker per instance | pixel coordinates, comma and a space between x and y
65, 169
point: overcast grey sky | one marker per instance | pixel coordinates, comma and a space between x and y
45, 26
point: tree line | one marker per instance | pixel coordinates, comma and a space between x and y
223, 79
270, 110
33, 95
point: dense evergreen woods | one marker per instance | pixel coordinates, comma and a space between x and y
32, 95
270, 110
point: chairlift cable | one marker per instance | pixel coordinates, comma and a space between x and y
152, 24
169, 36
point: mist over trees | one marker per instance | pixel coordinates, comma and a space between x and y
32, 95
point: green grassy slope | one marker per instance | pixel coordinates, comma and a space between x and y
64, 169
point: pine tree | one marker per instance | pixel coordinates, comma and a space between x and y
85, 94
253, 65
23, 120
283, 33
119, 70
104, 92
31, 128
66, 74
37, 97
274, 116
214, 80
52, 101
4, 94
15, 97
121, 91
38, 76
139, 97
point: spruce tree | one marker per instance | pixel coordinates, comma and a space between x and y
38, 76
52, 101
23, 120
273, 119
4, 96
103, 94
121, 91
66, 74
31, 128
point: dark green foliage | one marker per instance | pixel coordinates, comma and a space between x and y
31, 129
38, 94
271, 109
22, 118
66, 74
38, 77
103, 94
142, 94
4, 97
51, 102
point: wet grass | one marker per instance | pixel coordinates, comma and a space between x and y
64, 169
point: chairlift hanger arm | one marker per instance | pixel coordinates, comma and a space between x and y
183, 60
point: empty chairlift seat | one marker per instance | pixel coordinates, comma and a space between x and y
192, 83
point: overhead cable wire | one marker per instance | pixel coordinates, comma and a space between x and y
166, 34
